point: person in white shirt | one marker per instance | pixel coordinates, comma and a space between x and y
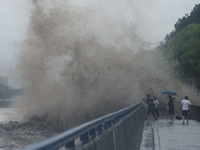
156, 103
185, 107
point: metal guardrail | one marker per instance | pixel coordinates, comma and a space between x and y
195, 112
85, 132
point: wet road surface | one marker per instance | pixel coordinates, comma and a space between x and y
165, 134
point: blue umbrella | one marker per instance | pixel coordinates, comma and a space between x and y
167, 92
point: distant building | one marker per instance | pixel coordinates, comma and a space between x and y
4, 81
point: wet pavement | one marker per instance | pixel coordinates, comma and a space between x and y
165, 134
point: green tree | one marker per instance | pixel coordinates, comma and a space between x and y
183, 49
193, 18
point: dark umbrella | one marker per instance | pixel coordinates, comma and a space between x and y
167, 92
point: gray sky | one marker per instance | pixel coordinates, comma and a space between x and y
154, 18
14, 18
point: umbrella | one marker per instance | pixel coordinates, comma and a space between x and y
167, 92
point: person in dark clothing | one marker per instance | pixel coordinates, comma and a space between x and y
151, 107
170, 106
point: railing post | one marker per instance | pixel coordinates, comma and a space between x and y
192, 113
92, 133
198, 113
107, 124
84, 138
99, 129
195, 112
70, 145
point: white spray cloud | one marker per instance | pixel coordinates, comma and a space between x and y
79, 63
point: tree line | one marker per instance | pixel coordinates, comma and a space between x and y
181, 47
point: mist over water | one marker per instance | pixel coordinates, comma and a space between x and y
80, 61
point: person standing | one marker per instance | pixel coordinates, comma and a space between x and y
156, 102
170, 106
185, 107
151, 107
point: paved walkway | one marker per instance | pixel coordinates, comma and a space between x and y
164, 134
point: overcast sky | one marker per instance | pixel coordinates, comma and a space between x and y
13, 24
160, 17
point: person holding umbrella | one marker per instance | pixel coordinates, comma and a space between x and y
170, 106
